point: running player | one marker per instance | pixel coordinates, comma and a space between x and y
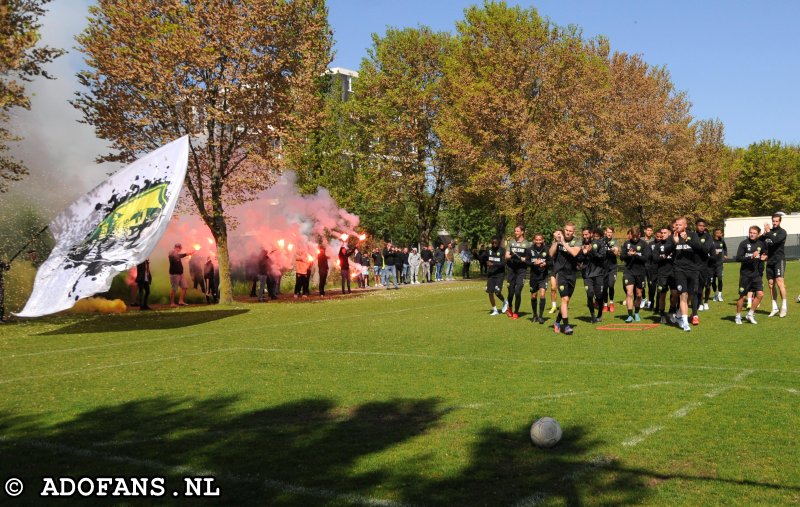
517, 261
703, 272
648, 300
612, 250
594, 274
496, 268
719, 253
751, 253
665, 280
775, 239
687, 248
540, 261
566, 252
636, 255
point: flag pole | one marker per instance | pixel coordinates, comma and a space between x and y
28, 243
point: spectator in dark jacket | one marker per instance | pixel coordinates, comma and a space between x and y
263, 275
344, 265
390, 260
427, 259
322, 266
143, 281
438, 258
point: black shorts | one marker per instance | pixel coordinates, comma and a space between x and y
566, 285
704, 276
636, 279
539, 283
685, 281
516, 277
494, 284
665, 282
717, 273
776, 269
596, 283
750, 283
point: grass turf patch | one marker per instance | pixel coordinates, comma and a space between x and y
414, 397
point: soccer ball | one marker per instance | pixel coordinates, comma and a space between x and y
546, 432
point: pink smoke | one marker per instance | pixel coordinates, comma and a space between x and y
280, 220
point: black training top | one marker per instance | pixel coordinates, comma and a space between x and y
175, 264
686, 252
749, 254
539, 272
565, 263
638, 260
498, 261
596, 259
774, 240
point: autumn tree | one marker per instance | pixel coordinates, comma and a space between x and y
21, 59
768, 180
396, 104
492, 88
237, 76
714, 171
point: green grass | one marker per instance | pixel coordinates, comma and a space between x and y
414, 396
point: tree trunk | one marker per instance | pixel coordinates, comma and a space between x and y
502, 222
220, 232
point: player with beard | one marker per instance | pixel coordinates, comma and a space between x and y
566, 253
636, 255
687, 248
665, 281
594, 274
703, 270
495, 270
775, 239
648, 300
719, 254
612, 250
540, 261
751, 253
517, 261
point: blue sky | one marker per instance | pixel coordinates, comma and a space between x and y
738, 61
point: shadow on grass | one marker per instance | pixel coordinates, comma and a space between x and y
143, 321
313, 452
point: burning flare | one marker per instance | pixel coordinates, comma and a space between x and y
281, 242
197, 247
344, 237
362, 237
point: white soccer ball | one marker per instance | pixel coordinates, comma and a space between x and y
546, 432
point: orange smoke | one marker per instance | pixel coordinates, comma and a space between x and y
99, 305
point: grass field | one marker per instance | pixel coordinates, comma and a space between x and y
409, 397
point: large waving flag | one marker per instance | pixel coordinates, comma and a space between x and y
109, 230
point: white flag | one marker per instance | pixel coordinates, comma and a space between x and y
109, 230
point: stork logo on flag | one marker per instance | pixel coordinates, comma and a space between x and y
125, 221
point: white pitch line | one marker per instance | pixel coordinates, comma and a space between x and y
282, 486
684, 410
637, 439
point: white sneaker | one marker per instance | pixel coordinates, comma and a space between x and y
783, 313
673, 318
686, 327
505, 306
643, 303
495, 312
700, 307
773, 313
738, 320
719, 297
751, 318
705, 306
649, 304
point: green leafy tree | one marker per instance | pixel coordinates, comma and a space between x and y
768, 180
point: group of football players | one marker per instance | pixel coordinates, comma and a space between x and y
685, 264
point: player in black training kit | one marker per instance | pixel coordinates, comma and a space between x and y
751, 253
495, 270
719, 253
703, 268
566, 253
636, 255
687, 249
648, 299
666, 282
517, 262
594, 274
612, 250
540, 262
774, 240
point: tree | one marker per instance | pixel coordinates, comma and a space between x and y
20, 61
238, 76
396, 103
714, 171
769, 180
